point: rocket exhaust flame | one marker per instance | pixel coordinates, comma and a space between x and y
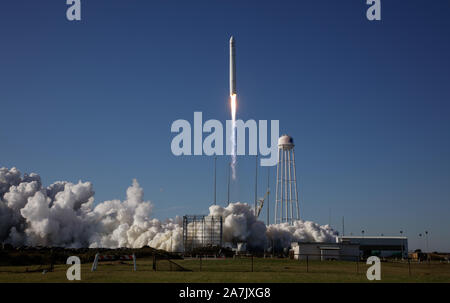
233, 106
233, 135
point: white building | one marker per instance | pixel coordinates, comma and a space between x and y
325, 251
378, 246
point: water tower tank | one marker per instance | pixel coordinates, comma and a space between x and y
285, 142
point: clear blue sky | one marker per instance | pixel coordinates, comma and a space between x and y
366, 102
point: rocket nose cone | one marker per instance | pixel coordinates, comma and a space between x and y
231, 39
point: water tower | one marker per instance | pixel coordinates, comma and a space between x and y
286, 194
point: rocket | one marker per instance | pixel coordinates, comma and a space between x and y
232, 67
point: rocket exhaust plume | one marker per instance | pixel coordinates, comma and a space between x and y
233, 106
64, 214
233, 136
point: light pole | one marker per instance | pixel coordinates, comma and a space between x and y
426, 237
420, 238
228, 193
268, 195
362, 231
215, 179
256, 184
401, 235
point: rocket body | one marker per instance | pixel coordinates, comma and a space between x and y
232, 67
233, 105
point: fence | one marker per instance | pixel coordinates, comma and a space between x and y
304, 264
296, 263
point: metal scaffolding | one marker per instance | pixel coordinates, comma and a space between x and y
201, 231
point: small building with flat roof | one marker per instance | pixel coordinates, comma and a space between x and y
324, 251
381, 246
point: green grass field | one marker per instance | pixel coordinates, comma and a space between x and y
239, 270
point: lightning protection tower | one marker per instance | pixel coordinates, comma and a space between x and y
286, 194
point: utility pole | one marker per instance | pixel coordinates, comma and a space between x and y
256, 183
401, 234
268, 195
229, 167
420, 240
215, 175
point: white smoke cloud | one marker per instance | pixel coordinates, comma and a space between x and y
64, 214
240, 224
284, 234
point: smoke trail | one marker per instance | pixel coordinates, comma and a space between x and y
233, 136
63, 214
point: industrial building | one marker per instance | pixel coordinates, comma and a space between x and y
381, 246
350, 248
324, 251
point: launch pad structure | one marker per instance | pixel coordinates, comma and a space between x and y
202, 231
